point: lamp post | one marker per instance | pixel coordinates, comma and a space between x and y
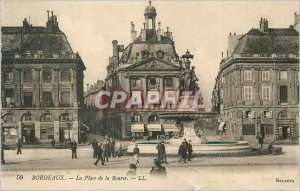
69, 122
2, 143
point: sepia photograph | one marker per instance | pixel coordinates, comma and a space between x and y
149, 95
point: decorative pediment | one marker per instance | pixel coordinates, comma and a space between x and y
153, 64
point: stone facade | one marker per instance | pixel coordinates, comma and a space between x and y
41, 84
257, 87
149, 63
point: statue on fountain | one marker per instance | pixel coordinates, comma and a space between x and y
188, 79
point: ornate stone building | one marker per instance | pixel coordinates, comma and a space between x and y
149, 63
257, 87
41, 84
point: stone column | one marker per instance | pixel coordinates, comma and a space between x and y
75, 130
56, 131
291, 87
37, 129
19, 130
17, 85
74, 88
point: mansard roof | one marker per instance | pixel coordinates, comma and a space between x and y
274, 41
33, 39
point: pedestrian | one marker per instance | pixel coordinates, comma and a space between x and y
159, 151
112, 148
53, 142
270, 147
136, 152
94, 144
118, 148
109, 147
157, 169
19, 146
73, 146
99, 151
182, 152
260, 140
164, 154
105, 150
190, 150
132, 170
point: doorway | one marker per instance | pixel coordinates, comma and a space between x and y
61, 135
285, 132
262, 131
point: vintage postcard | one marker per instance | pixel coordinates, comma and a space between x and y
149, 95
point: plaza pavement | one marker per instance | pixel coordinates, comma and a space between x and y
224, 173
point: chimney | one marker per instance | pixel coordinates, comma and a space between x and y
143, 33
87, 87
115, 51
159, 32
169, 34
263, 25
232, 42
133, 32
48, 14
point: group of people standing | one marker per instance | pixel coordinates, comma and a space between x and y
185, 151
107, 149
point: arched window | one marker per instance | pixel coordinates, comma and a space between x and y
64, 117
46, 117
145, 54
153, 118
160, 54
137, 118
27, 117
283, 115
8, 118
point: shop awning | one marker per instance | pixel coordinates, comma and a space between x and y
170, 127
220, 128
154, 127
137, 128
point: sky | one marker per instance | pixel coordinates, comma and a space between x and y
202, 27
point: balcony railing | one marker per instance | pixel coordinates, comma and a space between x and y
39, 56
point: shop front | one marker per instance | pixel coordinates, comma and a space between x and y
170, 129
285, 129
28, 129
137, 130
155, 130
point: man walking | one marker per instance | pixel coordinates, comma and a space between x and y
190, 150
19, 146
164, 154
112, 147
105, 150
136, 152
99, 151
159, 152
73, 146
182, 152
95, 148
260, 140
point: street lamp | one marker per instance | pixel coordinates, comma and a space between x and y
69, 123
2, 143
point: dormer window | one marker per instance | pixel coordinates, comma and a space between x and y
145, 54
160, 54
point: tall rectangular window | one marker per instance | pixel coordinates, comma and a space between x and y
247, 92
266, 92
283, 93
65, 99
248, 129
27, 76
9, 76
169, 82
28, 99
65, 75
247, 75
135, 82
265, 75
46, 76
47, 99
283, 75
9, 97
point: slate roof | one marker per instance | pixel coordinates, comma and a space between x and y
283, 40
18, 39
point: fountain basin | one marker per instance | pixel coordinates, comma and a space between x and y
210, 147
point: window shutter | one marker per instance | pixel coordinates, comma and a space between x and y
244, 114
271, 114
